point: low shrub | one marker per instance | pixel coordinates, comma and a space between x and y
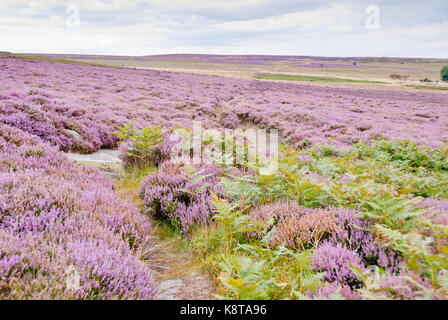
142, 148
180, 194
398, 77
444, 73
59, 219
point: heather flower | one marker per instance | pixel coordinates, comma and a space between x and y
180, 196
299, 227
303, 114
55, 215
336, 261
354, 233
332, 290
436, 210
406, 286
230, 120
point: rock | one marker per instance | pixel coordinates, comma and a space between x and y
102, 156
168, 289
73, 133
108, 174
106, 160
197, 287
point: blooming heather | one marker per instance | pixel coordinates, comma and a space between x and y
331, 289
77, 107
64, 233
178, 195
336, 261
436, 209
336, 229
353, 233
55, 217
407, 286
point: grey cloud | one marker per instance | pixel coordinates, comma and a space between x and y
237, 25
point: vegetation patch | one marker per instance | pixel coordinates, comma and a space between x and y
427, 87
310, 78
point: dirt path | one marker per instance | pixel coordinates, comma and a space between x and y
178, 275
175, 268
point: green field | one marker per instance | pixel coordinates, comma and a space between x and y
427, 87
311, 78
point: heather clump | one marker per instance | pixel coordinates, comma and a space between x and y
180, 194
58, 128
300, 227
295, 226
252, 270
230, 120
336, 261
57, 219
33, 120
435, 209
333, 291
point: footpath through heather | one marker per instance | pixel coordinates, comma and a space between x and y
174, 267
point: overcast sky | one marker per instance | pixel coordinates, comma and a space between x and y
394, 28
